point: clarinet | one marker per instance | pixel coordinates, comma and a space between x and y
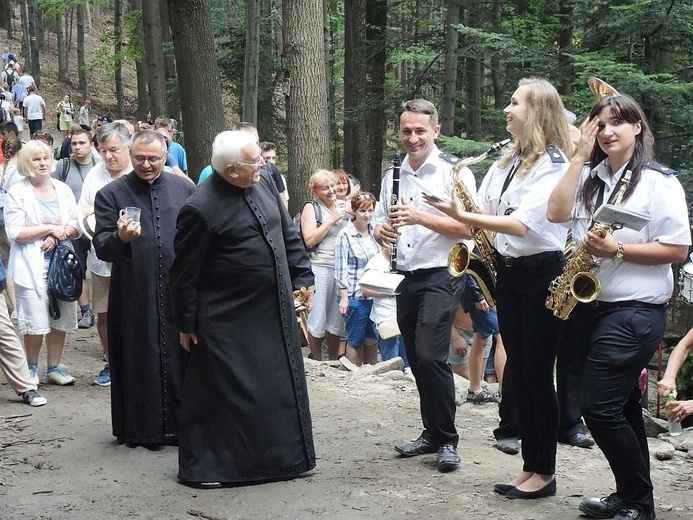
394, 199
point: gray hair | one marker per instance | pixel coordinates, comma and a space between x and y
111, 130
148, 137
228, 146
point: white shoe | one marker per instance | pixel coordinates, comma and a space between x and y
346, 363
33, 398
57, 376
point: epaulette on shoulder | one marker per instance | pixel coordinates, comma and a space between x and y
661, 168
555, 154
449, 158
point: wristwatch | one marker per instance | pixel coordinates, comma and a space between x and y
618, 255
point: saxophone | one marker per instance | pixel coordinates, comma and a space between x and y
482, 266
577, 282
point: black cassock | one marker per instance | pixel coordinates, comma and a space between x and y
245, 414
147, 361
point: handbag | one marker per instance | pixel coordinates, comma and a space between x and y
388, 329
64, 280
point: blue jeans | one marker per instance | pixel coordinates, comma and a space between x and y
392, 347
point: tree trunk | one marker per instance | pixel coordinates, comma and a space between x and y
252, 60
26, 52
376, 119
6, 17
496, 76
154, 57
81, 22
33, 42
172, 91
62, 46
137, 39
447, 120
349, 17
565, 43
118, 29
305, 87
193, 43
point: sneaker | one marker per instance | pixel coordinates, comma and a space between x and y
104, 377
87, 320
33, 398
58, 376
484, 396
33, 374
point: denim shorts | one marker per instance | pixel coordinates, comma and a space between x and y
359, 326
485, 323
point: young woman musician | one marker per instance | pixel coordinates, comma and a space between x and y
512, 199
620, 331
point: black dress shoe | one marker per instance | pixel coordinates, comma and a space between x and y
579, 439
604, 507
503, 489
447, 460
548, 490
633, 513
509, 445
418, 447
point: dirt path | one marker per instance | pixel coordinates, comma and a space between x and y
62, 462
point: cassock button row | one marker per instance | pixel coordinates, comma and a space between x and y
159, 264
157, 207
158, 217
158, 226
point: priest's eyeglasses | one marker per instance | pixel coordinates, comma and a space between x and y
151, 159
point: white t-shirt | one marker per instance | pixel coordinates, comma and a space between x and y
385, 308
96, 179
33, 104
26, 80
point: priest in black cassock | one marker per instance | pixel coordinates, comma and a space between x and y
245, 415
147, 363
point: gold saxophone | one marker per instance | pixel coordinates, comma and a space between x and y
577, 282
461, 260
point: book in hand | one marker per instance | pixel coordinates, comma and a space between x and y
620, 217
382, 282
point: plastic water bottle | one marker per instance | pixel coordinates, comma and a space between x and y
674, 425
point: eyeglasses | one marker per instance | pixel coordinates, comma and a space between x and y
151, 159
258, 160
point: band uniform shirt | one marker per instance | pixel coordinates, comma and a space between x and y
526, 199
657, 195
417, 246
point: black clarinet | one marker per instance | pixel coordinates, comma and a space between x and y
394, 199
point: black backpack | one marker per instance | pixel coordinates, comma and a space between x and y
318, 220
10, 77
65, 275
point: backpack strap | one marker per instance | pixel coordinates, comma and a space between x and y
65, 170
318, 212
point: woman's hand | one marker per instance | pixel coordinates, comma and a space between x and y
680, 410
450, 207
59, 232
48, 244
601, 247
587, 139
666, 386
342, 209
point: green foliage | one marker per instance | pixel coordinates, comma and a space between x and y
105, 60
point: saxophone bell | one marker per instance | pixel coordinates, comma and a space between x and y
585, 287
458, 260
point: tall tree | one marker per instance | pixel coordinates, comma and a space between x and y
137, 42
32, 13
81, 62
62, 45
154, 56
118, 36
193, 43
447, 120
252, 61
356, 80
305, 91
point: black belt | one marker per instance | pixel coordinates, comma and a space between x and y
627, 303
422, 272
531, 260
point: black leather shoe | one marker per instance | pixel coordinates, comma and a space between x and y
633, 513
548, 490
581, 440
418, 447
509, 445
604, 507
447, 460
503, 489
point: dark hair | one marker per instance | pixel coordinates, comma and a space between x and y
267, 146
627, 109
10, 148
45, 137
9, 126
420, 106
81, 131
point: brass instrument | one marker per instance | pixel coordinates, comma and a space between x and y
601, 89
577, 282
482, 266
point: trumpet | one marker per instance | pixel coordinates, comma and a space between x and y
481, 266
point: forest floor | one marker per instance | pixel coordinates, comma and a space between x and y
60, 461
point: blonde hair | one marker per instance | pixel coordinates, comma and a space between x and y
321, 177
28, 152
546, 125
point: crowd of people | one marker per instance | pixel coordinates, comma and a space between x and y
192, 288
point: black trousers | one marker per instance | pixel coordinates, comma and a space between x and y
530, 334
621, 342
425, 311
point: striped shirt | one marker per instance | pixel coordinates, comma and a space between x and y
352, 252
